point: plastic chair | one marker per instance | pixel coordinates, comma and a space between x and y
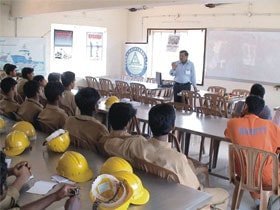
191, 99
92, 82
106, 87
122, 89
137, 79
240, 92
151, 80
215, 105
217, 90
248, 176
138, 91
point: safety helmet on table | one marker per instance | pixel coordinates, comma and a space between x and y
58, 141
25, 127
111, 100
15, 143
109, 193
74, 166
114, 164
140, 194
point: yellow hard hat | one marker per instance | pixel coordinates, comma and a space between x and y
111, 100
16, 142
2, 125
114, 164
58, 141
25, 127
109, 193
140, 194
74, 166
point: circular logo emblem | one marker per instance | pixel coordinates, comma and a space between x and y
135, 62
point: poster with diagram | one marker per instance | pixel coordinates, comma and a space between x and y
23, 52
63, 44
173, 43
95, 45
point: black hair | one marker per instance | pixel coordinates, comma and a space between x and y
185, 52
7, 84
8, 68
54, 77
86, 100
53, 90
161, 119
31, 88
4, 171
67, 78
257, 90
39, 78
255, 104
120, 114
25, 71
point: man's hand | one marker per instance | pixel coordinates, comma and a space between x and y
174, 65
16, 169
23, 174
65, 191
73, 203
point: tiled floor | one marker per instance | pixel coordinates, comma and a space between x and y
247, 202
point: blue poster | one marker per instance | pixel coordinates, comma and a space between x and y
136, 60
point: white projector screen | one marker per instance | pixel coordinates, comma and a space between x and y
252, 56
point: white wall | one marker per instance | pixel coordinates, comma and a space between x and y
256, 16
40, 25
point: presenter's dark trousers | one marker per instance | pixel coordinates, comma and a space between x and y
178, 87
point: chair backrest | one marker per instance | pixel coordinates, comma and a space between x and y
217, 90
138, 91
191, 99
151, 80
178, 106
149, 100
106, 87
155, 170
126, 77
240, 92
137, 79
134, 126
92, 82
246, 165
122, 89
276, 118
215, 105
173, 139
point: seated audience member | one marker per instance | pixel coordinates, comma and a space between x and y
159, 152
84, 129
257, 90
67, 102
252, 131
43, 82
31, 107
276, 118
54, 77
27, 75
119, 116
8, 105
9, 194
10, 70
52, 117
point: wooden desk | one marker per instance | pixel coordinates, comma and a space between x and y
164, 195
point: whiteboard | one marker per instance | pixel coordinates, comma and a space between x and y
23, 52
243, 55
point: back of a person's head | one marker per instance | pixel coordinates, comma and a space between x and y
7, 84
8, 68
86, 100
31, 88
53, 90
257, 90
161, 119
120, 114
54, 77
38, 78
4, 172
67, 78
255, 104
25, 71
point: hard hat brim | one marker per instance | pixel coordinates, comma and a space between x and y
143, 198
13, 152
88, 175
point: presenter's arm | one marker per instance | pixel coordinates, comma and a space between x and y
193, 78
172, 72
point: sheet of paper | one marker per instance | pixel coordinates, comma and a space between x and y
42, 187
61, 179
8, 161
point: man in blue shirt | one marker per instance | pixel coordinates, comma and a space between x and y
184, 74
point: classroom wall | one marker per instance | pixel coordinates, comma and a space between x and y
40, 25
243, 16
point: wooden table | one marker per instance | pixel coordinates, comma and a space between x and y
164, 195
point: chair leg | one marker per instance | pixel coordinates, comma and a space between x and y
187, 143
236, 197
216, 146
201, 150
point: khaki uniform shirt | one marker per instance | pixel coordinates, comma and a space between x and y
85, 131
8, 105
20, 85
9, 202
29, 110
67, 102
53, 117
156, 152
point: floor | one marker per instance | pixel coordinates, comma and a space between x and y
247, 202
